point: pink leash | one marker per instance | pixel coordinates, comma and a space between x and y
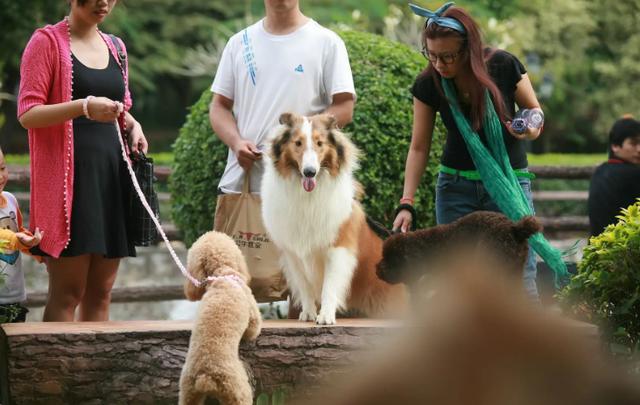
232, 277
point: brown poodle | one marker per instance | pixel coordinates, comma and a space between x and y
227, 314
406, 257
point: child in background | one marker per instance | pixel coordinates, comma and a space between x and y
14, 239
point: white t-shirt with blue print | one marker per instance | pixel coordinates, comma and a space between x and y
266, 75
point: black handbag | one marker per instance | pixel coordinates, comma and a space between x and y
141, 228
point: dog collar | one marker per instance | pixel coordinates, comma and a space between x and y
230, 277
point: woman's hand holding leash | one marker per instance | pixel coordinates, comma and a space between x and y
103, 109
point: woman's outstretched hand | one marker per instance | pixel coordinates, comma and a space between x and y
403, 221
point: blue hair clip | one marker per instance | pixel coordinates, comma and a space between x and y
436, 17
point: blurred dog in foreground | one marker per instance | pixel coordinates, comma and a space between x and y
480, 341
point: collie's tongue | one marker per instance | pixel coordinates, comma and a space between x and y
309, 183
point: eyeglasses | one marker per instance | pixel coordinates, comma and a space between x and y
447, 58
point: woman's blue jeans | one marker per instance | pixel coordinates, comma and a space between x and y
457, 196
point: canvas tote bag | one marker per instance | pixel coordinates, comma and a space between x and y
240, 216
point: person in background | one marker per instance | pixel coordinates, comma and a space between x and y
73, 88
14, 238
616, 183
453, 45
286, 62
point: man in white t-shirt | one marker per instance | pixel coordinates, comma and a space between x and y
285, 62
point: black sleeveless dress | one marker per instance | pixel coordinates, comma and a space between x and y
101, 184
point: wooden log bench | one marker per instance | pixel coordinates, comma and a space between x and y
140, 361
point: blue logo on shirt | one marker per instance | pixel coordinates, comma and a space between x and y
299, 69
249, 57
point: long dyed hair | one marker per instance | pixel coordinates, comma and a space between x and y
477, 58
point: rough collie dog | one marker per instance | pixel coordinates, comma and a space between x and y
311, 212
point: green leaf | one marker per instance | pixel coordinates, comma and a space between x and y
263, 399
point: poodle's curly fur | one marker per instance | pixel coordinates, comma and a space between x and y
407, 256
227, 314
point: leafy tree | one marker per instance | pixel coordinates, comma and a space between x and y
584, 51
616, 52
556, 33
18, 20
590, 50
158, 35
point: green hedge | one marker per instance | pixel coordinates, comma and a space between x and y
606, 289
383, 72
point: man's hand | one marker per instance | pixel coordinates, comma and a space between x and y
247, 153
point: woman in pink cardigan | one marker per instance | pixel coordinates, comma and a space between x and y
72, 90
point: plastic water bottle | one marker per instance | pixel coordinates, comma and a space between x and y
527, 118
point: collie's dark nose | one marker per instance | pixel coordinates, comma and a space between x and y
309, 172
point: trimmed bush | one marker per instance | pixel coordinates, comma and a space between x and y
606, 289
383, 72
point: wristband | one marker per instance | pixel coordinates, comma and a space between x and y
407, 200
85, 106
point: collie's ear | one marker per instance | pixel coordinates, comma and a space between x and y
280, 138
329, 121
192, 292
287, 119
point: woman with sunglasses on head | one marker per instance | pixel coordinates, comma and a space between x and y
73, 89
475, 89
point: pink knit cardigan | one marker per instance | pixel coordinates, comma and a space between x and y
47, 78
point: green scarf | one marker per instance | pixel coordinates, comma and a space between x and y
498, 176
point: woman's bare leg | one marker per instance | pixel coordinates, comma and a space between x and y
67, 282
97, 296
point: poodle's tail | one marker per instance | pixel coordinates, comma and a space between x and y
204, 383
526, 227
233, 386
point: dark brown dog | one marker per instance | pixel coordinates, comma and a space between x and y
406, 257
